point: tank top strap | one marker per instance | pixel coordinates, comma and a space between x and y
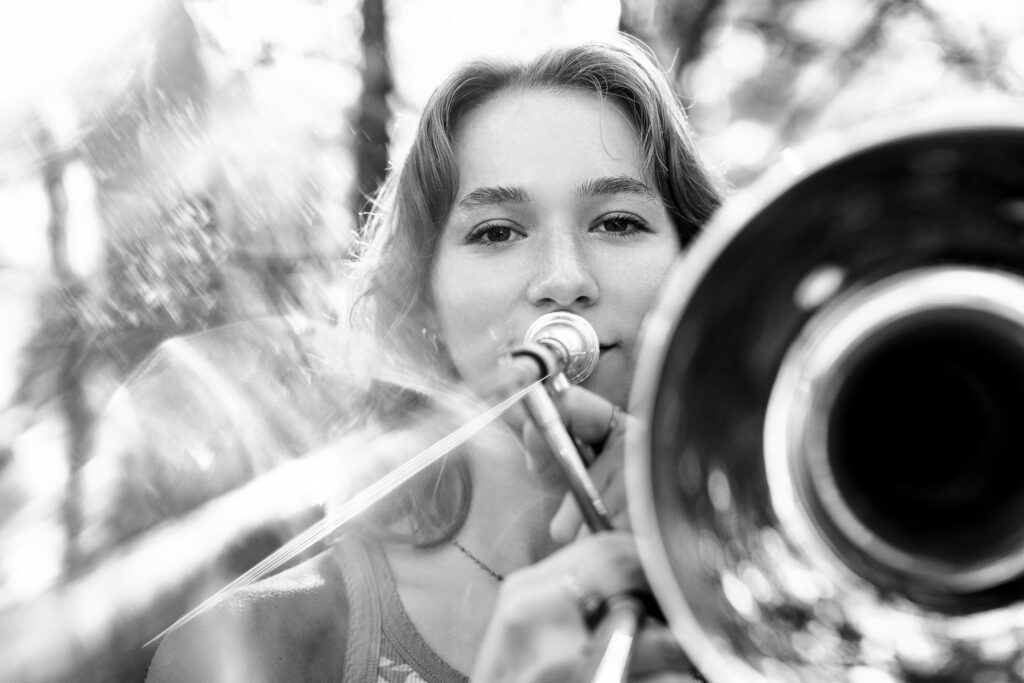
390, 646
365, 620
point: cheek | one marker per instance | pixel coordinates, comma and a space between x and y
473, 321
639, 283
632, 288
655, 275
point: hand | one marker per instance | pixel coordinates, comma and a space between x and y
589, 417
540, 631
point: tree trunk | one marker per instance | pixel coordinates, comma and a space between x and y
374, 111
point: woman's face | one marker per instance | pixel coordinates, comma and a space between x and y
554, 212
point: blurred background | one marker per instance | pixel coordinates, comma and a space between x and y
169, 167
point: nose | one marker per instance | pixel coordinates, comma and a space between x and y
563, 275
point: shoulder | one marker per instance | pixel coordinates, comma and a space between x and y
292, 626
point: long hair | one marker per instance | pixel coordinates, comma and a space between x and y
400, 237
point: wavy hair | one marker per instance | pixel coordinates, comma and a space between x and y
400, 235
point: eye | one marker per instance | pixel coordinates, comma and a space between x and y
493, 234
620, 225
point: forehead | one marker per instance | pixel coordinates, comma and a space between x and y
532, 136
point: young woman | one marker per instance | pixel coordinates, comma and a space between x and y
570, 183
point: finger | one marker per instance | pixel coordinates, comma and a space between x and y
539, 630
613, 552
534, 634
610, 559
539, 458
566, 523
589, 416
566, 593
568, 519
613, 495
606, 475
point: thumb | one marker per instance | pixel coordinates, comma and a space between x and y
588, 416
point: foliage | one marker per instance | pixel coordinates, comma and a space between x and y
229, 146
760, 77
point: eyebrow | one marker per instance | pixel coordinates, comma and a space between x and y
491, 196
594, 187
620, 184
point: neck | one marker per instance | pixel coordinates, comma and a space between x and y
506, 529
510, 514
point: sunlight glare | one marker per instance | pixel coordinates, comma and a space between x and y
475, 28
357, 504
47, 42
23, 206
84, 231
997, 16
1015, 58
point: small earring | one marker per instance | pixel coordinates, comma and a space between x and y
432, 338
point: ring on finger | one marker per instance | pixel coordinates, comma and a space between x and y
613, 422
587, 599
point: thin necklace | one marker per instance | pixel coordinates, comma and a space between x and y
478, 562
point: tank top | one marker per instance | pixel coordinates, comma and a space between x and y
384, 645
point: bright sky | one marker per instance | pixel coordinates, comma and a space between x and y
59, 56
452, 31
53, 51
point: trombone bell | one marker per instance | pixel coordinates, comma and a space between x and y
829, 481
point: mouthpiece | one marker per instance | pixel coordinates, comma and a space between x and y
571, 338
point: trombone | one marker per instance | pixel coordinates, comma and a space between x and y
829, 481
